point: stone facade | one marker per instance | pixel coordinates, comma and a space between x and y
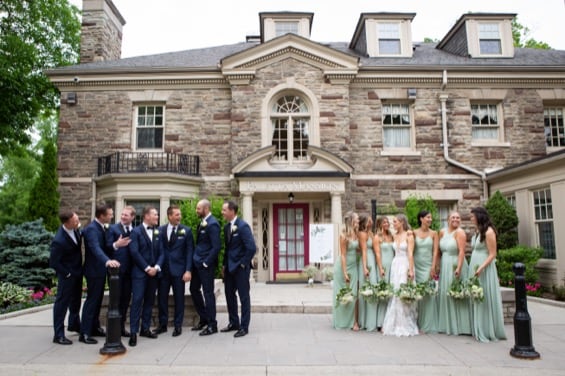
101, 36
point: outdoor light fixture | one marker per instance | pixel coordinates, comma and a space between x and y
291, 197
412, 93
72, 98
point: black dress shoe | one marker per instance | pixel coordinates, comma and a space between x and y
74, 328
125, 333
98, 332
229, 328
62, 341
133, 340
209, 330
201, 325
160, 329
148, 334
87, 340
177, 332
240, 333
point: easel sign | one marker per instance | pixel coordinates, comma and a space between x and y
321, 243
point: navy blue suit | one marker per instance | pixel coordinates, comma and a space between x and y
122, 255
240, 249
95, 258
144, 252
207, 248
66, 258
178, 250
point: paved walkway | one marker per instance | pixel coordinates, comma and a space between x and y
290, 334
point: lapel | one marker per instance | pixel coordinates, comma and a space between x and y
68, 237
145, 236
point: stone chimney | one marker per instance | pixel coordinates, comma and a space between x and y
101, 34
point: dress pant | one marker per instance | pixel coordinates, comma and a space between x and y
165, 283
238, 281
69, 294
91, 309
205, 305
142, 301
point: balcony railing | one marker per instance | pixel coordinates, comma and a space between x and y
128, 162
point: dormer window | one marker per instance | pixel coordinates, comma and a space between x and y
276, 24
489, 39
285, 27
388, 34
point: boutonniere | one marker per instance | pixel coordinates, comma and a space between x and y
233, 229
106, 226
203, 223
181, 231
155, 232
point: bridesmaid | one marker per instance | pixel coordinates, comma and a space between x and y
367, 269
487, 318
382, 242
426, 254
345, 273
454, 314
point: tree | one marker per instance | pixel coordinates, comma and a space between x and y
521, 36
415, 204
505, 219
34, 35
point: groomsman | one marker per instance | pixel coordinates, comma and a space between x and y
66, 258
145, 250
178, 247
96, 260
240, 249
205, 259
117, 240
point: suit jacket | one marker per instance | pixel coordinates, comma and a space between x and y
178, 251
65, 255
95, 252
121, 254
240, 245
144, 251
208, 243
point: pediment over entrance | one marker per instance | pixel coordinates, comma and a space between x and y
322, 164
241, 68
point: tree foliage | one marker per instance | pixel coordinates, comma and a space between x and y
34, 35
24, 255
504, 217
414, 204
521, 36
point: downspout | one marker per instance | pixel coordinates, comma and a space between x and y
448, 159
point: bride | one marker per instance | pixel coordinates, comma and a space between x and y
400, 318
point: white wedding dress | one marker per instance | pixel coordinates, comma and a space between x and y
400, 318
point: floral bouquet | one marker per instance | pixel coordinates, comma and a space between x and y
428, 288
344, 296
475, 290
409, 292
457, 290
383, 290
367, 291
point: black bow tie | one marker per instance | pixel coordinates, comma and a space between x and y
150, 227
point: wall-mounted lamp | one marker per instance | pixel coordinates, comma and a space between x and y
72, 98
412, 93
291, 197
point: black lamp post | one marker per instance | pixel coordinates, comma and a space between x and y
113, 345
523, 347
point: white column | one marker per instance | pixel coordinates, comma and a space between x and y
247, 207
337, 219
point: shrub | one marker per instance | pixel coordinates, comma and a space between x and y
505, 219
328, 273
415, 204
506, 259
310, 270
12, 294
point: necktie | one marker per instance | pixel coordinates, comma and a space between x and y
127, 231
173, 235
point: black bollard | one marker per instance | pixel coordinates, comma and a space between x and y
113, 345
523, 347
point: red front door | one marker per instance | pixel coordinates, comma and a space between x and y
290, 237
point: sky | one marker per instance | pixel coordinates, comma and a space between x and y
154, 27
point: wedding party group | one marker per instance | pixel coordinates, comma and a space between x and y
403, 282
152, 261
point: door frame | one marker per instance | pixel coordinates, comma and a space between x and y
306, 237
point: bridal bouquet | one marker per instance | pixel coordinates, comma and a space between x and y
475, 290
457, 290
409, 292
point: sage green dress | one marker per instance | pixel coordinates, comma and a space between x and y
487, 320
387, 254
454, 314
344, 315
367, 309
428, 306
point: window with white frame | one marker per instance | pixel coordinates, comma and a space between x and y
397, 126
554, 128
485, 121
511, 199
388, 35
489, 39
285, 27
149, 126
543, 211
290, 119
139, 205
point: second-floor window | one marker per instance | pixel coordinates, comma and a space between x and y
397, 126
291, 122
485, 121
554, 128
149, 127
285, 27
388, 34
489, 39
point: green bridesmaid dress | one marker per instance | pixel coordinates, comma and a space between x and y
368, 309
344, 314
428, 306
487, 320
387, 254
454, 314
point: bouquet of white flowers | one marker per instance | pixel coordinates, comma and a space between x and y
383, 290
367, 291
344, 296
428, 288
457, 290
475, 290
409, 292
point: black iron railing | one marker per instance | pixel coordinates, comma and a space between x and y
129, 162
